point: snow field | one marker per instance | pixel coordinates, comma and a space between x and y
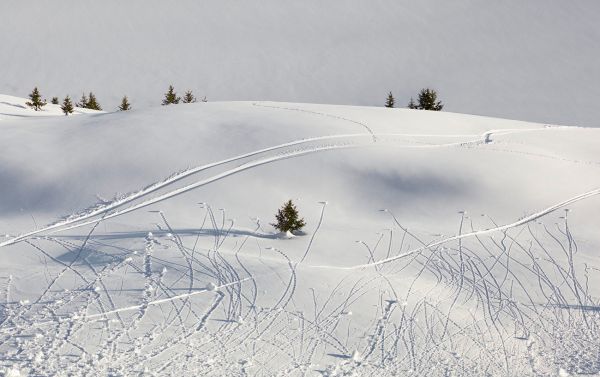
436, 244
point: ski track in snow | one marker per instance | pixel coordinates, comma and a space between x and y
64, 225
364, 125
515, 224
414, 321
407, 331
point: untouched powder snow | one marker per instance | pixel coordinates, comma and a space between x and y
139, 243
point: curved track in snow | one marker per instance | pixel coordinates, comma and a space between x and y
91, 216
476, 233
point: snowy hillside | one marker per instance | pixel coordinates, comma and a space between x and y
12, 107
532, 60
436, 244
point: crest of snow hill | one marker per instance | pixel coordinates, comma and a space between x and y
90, 101
427, 100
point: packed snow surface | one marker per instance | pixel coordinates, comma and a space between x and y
436, 244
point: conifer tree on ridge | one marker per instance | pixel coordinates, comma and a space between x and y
36, 102
125, 105
389, 102
92, 102
189, 97
412, 104
83, 101
428, 100
171, 97
67, 106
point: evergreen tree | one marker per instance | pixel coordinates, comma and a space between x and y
125, 105
412, 104
389, 102
36, 102
428, 100
288, 219
83, 102
171, 97
92, 103
204, 99
189, 97
67, 106
54, 100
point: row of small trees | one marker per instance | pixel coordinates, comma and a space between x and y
86, 102
91, 102
171, 97
427, 100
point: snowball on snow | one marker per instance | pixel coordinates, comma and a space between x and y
286, 235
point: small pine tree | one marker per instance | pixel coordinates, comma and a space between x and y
92, 103
36, 102
412, 104
83, 102
54, 100
67, 106
204, 99
428, 100
171, 97
189, 97
288, 219
389, 102
125, 105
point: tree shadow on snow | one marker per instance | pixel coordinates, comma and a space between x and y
164, 234
96, 257
87, 255
13, 104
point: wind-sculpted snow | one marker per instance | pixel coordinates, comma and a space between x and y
207, 302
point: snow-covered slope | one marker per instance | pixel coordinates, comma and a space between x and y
16, 107
435, 243
531, 60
